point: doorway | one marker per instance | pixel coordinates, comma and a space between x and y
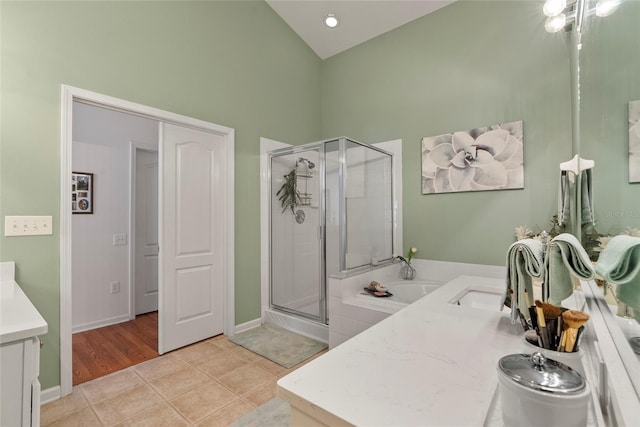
144, 224
180, 286
115, 247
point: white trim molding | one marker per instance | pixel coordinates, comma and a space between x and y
248, 325
49, 395
266, 145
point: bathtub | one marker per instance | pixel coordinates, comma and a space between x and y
348, 316
408, 291
404, 293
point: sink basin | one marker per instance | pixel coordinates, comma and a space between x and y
478, 297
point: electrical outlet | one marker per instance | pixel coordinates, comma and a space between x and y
28, 225
119, 239
115, 287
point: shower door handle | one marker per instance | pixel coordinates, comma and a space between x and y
320, 232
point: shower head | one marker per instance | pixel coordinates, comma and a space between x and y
309, 163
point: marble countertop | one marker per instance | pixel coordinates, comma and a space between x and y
431, 363
19, 319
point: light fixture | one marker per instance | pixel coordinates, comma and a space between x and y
554, 7
606, 7
331, 20
567, 14
555, 23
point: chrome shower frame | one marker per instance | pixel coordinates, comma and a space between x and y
298, 151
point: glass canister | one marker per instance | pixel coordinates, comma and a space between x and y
535, 390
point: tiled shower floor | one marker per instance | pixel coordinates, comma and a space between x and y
211, 383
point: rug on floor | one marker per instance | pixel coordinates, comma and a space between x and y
274, 413
284, 347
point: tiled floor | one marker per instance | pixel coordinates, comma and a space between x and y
212, 383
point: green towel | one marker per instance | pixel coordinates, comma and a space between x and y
586, 183
565, 258
619, 263
524, 261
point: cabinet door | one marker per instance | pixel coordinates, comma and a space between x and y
13, 391
20, 389
35, 382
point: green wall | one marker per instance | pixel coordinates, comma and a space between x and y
233, 63
468, 65
610, 78
237, 64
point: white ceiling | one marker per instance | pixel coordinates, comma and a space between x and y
360, 20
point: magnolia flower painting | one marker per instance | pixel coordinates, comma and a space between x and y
487, 158
634, 141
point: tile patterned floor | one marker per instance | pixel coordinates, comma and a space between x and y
211, 383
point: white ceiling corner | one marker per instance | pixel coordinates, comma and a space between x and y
360, 20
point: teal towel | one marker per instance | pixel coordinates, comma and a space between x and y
564, 198
619, 263
586, 183
524, 262
565, 258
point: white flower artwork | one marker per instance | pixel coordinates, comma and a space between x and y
634, 141
487, 158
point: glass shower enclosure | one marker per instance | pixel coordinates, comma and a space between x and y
331, 211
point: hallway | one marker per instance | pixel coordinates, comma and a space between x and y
102, 351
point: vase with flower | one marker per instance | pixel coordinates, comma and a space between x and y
407, 272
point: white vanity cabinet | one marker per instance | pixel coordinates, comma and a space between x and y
20, 393
20, 325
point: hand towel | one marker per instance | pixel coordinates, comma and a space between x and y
587, 215
524, 262
619, 263
586, 199
565, 258
564, 199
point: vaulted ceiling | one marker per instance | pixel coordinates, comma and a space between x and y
359, 20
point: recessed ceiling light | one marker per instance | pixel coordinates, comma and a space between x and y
331, 20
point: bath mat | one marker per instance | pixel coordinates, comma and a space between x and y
274, 413
279, 345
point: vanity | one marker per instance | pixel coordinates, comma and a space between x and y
434, 363
20, 326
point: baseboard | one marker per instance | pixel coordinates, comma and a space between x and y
49, 395
248, 325
99, 324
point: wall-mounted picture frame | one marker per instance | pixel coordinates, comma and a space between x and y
634, 141
481, 159
81, 193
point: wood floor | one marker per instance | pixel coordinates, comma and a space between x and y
101, 351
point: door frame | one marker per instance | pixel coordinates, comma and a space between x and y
134, 147
69, 94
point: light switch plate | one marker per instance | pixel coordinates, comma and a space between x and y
28, 225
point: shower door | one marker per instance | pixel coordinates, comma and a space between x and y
296, 232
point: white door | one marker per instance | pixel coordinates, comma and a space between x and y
192, 239
146, 231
